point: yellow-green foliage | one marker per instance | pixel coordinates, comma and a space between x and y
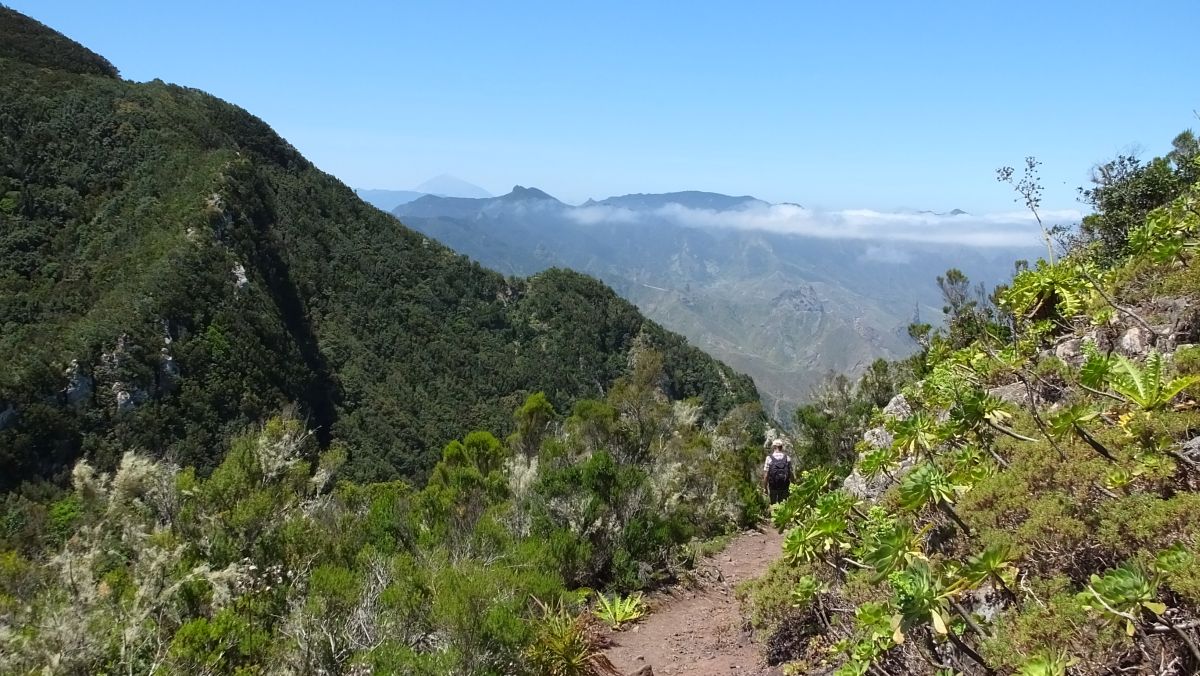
1046, 541
1187, 360
1145, 524
1064, 624
616, 611
1057, 291
564, 644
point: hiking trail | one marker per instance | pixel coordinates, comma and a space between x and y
697, 628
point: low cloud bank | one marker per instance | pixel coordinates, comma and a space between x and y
1009, 229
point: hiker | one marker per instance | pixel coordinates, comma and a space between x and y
777, 472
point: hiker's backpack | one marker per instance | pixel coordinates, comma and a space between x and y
779, 472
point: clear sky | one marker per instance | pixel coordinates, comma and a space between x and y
831, 104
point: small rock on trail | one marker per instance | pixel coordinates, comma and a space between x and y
698, 629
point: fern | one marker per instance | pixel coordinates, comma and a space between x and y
1096, 368
1048, 291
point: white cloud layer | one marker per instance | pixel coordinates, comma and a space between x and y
988, 230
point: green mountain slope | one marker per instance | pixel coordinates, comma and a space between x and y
171, 269
32, 42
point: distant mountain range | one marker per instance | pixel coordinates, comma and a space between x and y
692, 199
442, 186
388, 199
784, 307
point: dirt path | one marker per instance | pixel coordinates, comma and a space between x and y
698, 629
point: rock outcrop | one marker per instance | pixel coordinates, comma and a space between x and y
1016, 394
1191, 449
119, 367
898, 408
7, 416
80, 386
240, 280
769, 438
1070, 351
1135, 342
871, 488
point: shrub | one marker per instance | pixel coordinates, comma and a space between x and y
227, 643
768, 600
64, 516
1064, 623
565, 644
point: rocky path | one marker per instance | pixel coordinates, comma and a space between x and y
698, 628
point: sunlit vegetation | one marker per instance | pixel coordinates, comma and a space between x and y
1023, 506
276, 562
248, 425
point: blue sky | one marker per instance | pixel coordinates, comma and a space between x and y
833, 105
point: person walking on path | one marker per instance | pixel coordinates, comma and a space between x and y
777, 473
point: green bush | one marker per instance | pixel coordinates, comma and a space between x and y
227, 643
64, 517
1065, 624
18, 580
768, 600
564, 644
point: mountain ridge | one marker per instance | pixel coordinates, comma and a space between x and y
29, 40
193, 274
696, 199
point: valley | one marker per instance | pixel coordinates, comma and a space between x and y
785, 308
251, 423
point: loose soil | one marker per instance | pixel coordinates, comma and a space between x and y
697, 628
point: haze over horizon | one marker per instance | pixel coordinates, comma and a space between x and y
837, 108
1013, 228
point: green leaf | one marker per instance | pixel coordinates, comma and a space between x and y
939, 625
1094, 372
1155, 607
897, 632
1145, 386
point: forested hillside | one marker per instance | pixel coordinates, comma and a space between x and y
208, 341
1021, 496
171, 271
